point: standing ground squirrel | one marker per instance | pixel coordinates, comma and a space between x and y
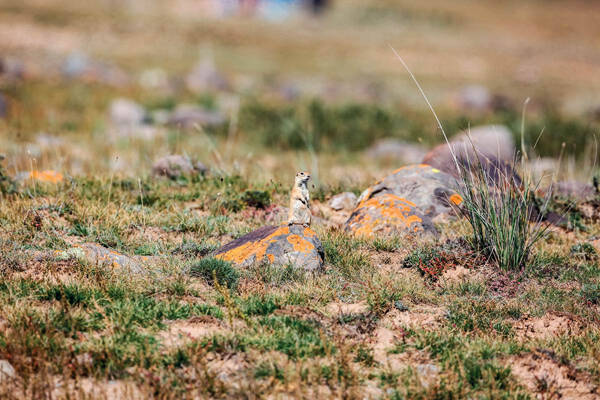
300, 201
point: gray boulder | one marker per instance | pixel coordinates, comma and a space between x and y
385, 215
395, 149
343, 201
3, 106
204, 77
277, 245
430, 190
96, 254
574, 190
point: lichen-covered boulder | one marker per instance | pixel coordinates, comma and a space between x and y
278, 245
430, 190
387, 214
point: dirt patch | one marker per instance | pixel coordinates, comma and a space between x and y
302, 313
339, 308
91, 388
424, 317
552, 324
542, 375
194, 328
455, 275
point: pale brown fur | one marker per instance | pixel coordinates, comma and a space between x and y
299, 201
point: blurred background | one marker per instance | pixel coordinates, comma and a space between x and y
264, 87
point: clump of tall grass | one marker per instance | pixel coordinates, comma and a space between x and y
502, 210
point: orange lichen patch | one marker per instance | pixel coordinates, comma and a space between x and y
309, 233
258, 248
300, 244
46, 176
456, 199
385, 211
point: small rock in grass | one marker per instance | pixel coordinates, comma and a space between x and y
187, 116
175, 166
343, 201
126, 113
7, 372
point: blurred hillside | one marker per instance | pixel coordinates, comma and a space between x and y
276, 71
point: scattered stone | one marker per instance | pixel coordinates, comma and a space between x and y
277, 245
428, 189
387, 214
125, 113
96, 254
7, 372
48, 141
80, 66
204, 77
574, 190
475, 97
154, 78
397, 150
343, 201
428, 374
11, 69
175, 166
189, 115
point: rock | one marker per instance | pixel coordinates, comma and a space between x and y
188, 115
277, 245
154, 78
491, 145
174, 166
7, 372
397, 150
493, 140
204, 77
96, 254
126, 113
542, 167
80, 66
475, 97
430, 190
343, 201
3, 106
47, 176
574, 190
11, 69
387, 214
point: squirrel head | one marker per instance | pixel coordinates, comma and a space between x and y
302, 177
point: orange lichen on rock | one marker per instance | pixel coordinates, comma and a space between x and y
48, 176
383, 214
411, 166
300, 244
257, 248
281, 245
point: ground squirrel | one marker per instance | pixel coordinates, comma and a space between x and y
299, 201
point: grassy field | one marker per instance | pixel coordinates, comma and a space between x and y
401, 317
